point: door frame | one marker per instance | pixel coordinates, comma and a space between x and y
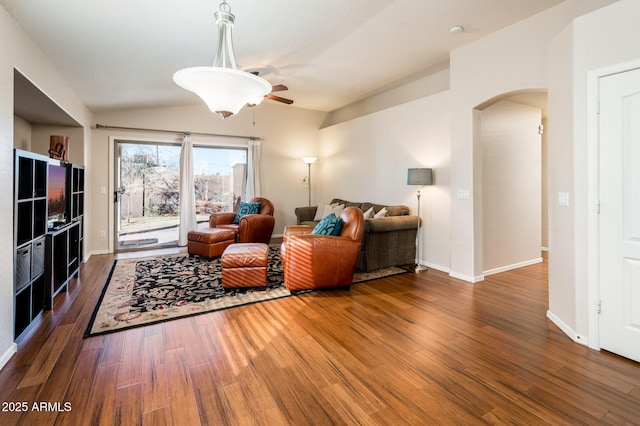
593, 193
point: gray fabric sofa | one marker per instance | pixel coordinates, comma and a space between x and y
386, 241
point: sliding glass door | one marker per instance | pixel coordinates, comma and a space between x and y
147, 189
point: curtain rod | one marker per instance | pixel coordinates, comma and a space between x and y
140, 129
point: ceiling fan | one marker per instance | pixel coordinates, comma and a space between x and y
276, 88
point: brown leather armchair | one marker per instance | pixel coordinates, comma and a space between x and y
253, 228
322, 261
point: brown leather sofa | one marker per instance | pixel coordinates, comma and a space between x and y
322, 261
253, 228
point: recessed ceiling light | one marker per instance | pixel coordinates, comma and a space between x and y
456, 29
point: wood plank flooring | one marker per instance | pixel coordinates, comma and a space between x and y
410, 349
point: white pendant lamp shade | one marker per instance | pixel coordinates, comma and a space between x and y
224, 90
223, 87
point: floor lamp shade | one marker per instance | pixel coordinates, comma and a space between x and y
421, 176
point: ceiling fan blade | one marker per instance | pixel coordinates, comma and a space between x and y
279, 88
279, 99
274, 88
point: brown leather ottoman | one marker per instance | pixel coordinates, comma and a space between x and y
209, 242
244, 265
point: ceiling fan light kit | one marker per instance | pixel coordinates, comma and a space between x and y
223, 87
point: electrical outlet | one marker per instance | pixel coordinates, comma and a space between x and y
103, 234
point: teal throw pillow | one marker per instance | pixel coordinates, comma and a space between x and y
245, 209
330, 225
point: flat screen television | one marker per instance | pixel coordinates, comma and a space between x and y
57, 194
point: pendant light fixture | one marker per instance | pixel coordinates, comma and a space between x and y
223, 87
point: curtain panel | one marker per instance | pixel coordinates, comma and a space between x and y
188, 219
252, 188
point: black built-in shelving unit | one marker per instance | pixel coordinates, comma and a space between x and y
30, 229
45, 260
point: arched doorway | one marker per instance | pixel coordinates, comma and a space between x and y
512, 164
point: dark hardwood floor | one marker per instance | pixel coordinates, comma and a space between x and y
411, 349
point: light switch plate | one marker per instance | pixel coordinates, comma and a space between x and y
563, 199
463, 194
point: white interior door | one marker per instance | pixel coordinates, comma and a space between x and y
619, 236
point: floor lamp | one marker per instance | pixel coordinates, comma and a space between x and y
419, 177
309, 161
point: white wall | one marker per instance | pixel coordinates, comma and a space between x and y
544, 238
511, 186
366, 159
21, 133
40, 140
562, 284
601, 39
19, 52
289, 134
509, 60
427, 82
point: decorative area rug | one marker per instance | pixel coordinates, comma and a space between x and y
149, 290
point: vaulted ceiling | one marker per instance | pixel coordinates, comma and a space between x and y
122, 53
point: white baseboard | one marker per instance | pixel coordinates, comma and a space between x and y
467, 278
436, 267
6, 356
97, 252
578, 338
514, 266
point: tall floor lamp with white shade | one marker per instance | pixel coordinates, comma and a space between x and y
419, 177
309, 161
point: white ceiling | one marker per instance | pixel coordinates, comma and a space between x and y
123, 53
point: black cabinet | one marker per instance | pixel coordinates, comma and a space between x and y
30, 227
23, 311
30, 196
62, 259
76, 203
76, 208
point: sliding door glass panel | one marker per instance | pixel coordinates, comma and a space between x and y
219, 178
148, 182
